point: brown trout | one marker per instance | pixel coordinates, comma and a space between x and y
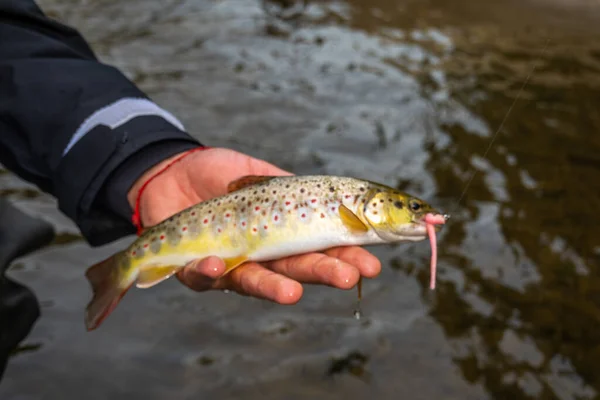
264, 218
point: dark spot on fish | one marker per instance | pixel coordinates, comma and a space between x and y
318, 186
274, 191
262, 191
287, 186
398, 204
362, 189
256, 191
331, 189
375, 204
381, 201
210, 211
243, 199
235, 197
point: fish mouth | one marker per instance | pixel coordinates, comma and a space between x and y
436, 219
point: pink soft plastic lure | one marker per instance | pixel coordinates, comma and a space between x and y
431, 220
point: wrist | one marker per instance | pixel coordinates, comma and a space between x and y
134, 191
138, 189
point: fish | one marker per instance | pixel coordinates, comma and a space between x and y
263, 218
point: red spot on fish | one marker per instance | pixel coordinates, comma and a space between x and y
256, 208
219, 203
205, 220
193, 213
254, 229
313, 201
303, 215
227, 215
332, 208
184, 229
322, 215
276, 218
162, 237
134, 253
146, 245
219, 230
244, 223
264, 213
287, 203
266, 227
347, 196
296, 207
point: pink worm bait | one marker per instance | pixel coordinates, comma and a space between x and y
430, 221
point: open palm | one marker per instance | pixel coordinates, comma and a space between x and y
205, 174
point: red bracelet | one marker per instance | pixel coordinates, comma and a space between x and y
136, 219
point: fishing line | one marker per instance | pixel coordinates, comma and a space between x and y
491, 143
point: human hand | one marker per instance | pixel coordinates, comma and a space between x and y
205, 174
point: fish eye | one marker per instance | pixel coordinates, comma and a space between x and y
415, 206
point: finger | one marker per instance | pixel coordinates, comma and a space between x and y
318, 268
201, 275
255, 280
368, 265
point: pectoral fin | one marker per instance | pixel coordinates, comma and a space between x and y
351, 221
154, 275
247, 180
233, 262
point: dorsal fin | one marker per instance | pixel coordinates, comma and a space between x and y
247, 180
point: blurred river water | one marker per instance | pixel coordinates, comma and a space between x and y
409, 93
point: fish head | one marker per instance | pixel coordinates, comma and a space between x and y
397, 216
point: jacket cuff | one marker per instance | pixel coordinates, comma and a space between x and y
94, 176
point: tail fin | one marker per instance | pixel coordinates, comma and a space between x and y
109, 286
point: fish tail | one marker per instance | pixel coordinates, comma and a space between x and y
109, 284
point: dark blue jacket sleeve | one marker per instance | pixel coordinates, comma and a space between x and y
73, 126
